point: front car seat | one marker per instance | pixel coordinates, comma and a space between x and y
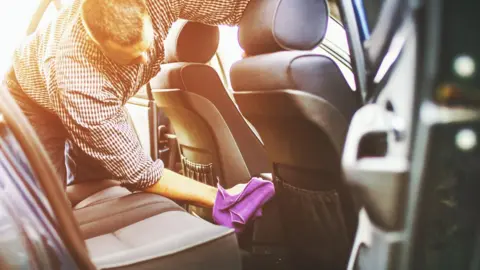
216, 143
301, 105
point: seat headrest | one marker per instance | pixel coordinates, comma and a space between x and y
274, 25
191, 42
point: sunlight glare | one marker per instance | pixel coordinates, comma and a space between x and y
14, 19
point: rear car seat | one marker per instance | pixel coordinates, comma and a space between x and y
126, 230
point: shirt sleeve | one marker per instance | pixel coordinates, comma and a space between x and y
214, 12
96, 121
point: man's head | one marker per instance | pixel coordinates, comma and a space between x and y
121, 28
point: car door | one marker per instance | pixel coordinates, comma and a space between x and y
410, 151
376, 160
28, 235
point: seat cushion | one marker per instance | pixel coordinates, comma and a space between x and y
110, 215
80, 191
102, 196
171, 240
148, 231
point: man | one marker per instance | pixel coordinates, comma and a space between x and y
73, 78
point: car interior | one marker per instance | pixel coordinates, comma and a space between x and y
215, 143
360, 179
301, 106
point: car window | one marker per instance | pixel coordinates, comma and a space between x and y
336, 39
229, 51
334, 45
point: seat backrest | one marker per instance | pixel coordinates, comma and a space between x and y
301, 105
209, 127
298, 101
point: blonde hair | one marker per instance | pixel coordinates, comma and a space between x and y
119, 21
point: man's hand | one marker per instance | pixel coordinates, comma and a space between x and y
178, 187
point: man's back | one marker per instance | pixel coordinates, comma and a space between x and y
83, 81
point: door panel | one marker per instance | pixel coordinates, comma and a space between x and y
28, 236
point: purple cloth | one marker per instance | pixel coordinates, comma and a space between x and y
234, 211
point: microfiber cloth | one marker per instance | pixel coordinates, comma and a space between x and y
234, 211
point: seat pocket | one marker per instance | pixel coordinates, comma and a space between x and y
314, 227
204, 174
200, 172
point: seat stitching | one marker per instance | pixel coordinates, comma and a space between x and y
101, 201
139, 206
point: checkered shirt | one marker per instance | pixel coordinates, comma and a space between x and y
63, 71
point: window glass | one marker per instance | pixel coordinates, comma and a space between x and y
335, 45
229, 51
215, 63
336, 39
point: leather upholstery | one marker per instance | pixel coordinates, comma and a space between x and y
274, 25
191, 42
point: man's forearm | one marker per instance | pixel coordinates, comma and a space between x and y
178, 187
